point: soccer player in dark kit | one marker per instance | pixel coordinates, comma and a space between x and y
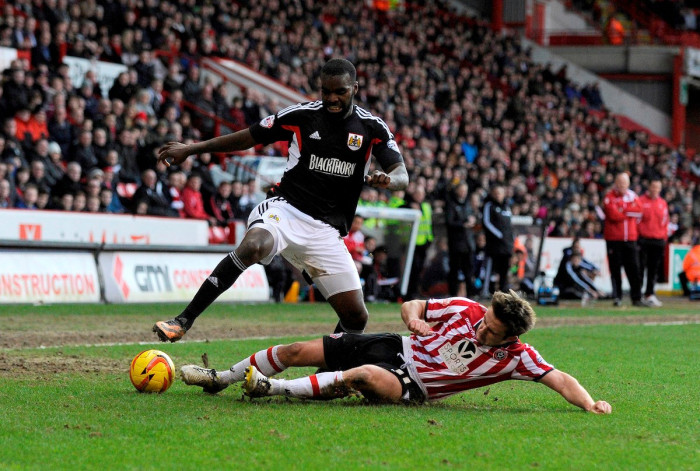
330, 144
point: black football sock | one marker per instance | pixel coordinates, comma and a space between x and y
222, 278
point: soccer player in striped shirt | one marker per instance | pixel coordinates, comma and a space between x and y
456, 344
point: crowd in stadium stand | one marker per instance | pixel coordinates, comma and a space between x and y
465, 104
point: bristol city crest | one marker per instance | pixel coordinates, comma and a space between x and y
354, 141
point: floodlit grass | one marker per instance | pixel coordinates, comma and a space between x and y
73, 407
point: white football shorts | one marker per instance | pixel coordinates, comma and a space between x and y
308, 244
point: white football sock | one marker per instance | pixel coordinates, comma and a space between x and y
265, 361
314, 386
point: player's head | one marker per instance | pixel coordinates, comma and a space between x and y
338, 87
498, 193
655, 188
622, 182
514, 313
576, 258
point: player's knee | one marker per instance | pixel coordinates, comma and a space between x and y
290, 354
354, 319
361, 378
253, 249
351, 310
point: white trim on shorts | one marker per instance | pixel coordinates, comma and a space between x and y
310, 245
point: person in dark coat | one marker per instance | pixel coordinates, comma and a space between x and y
460, 220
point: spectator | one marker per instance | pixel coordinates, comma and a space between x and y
16, 93
82, 151
151, 197
690, 276
590, 268
60, 130
423, 240
355, 241
126, 149
653, 234
460, 221
573, 281
499, 239
622, 209
45, 52
193, 201
219, 205
109, 202
176, 183
7, 196
37, 174
79, 202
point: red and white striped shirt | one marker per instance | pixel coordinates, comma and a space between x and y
452, 360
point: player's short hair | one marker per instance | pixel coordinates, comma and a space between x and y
335, 67
514, 312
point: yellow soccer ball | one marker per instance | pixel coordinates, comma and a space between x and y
152, 371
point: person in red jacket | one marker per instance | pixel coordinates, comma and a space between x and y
193, 200
622, 211
653, 234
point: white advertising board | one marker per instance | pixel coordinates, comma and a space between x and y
136, 277
594, 250
7, 55
106, 72
60, 226
48, 277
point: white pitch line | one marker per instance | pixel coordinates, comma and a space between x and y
670, 323
267, 337
126, 344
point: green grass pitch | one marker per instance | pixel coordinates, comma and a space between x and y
70, 406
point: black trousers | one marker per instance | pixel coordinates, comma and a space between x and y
624, 254
460, 260
499, 264
651, 256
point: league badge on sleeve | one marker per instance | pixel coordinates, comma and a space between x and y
354, 141
268, 122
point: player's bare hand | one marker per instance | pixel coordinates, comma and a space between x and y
601, 407
173, 153
378, 179
419, 327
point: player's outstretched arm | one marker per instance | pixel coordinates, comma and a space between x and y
395, 178
572, 391
413, 315
177, 152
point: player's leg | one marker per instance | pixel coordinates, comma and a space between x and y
615, 265
261, 243
655, 258
351, 310
269, 362
630, 261
501, 267
257, 244
331, 268
373, 382
488, 270
644, 261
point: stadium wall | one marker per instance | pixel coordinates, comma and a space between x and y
58, 257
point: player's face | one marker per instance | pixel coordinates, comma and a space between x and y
622, 183
491, 331
655, 189
337, 93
